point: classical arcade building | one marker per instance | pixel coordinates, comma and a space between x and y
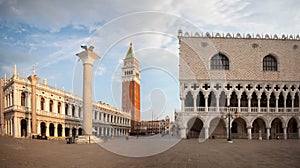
56, 113
254, 77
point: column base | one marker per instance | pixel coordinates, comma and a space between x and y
88, 139
230, 141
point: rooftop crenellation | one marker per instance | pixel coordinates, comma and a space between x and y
239, 35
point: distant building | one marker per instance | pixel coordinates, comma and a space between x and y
131, 88
256, 75
58, 113
155, 126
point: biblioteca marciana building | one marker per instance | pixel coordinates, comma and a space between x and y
25, 102
249, 83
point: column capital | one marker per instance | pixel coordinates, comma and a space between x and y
88, 56
33, 79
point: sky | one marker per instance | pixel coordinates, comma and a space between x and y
47, 35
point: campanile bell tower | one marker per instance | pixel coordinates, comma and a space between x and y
131, 87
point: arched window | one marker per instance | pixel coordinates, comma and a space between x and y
269, 63
50, 105
73, 110
66, 109
58, 107
220, 62
22, 99
42, 103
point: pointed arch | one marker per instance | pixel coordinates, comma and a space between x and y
270, 63
189, 102
219, 62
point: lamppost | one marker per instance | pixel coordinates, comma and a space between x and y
229, 116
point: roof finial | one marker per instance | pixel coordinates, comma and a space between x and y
33, 70
130, 43
15, 70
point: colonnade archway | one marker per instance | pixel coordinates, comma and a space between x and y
43, 129
59, 130
195, 126
258, 130
74, 130
51, 129
23, 128
292, 129
277, 129
217, 128
242, 128
239, 129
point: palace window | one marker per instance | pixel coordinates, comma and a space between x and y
73, 110
219, 62
51, 105
66, 109
58, 107
270, 63
42, 103
22, 99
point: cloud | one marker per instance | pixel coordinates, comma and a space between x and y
100, 70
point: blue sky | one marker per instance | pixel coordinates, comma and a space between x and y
48, 34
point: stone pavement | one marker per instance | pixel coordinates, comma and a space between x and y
186, 153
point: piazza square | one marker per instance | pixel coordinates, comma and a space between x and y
148, 84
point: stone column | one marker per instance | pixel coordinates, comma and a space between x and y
55, 129
63, 130
47, 129
46, 104
268, 133
206, 103
102, 131
258, 104
62, 108
76, 110
33, 80
284, 103
277, 98
16, 124
28, 127
88, 57
293, 99
249, 133
195, 102
11, 126
249, 104
54, 106
228, 100
182, 104
206, 133
284, 133
38, 127
218, 102
239, 103
69, 112
268, 103
183, 132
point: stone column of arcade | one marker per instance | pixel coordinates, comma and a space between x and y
88, 57
33, 80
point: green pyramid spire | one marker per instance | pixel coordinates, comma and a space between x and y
130, 53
